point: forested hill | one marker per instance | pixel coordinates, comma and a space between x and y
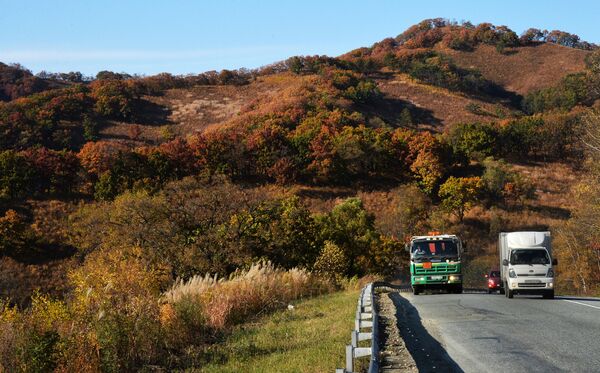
123, 196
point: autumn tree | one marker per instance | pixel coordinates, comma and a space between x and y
98, 157
53, 171
113, 98
428, 157
460, 194
13, 234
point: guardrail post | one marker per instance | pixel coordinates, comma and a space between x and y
349, 358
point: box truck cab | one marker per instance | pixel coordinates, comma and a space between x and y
526, 263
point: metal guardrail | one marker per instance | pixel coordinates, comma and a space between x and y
366, 326
365, 329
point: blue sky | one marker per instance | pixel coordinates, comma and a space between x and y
178, 36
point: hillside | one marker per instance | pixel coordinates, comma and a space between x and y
523, 69
142, 219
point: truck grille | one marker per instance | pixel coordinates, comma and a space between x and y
440, 268
532, 285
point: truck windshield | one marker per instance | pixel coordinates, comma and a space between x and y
434, 249
528, 256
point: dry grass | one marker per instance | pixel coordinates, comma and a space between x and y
523, 69
440, 107
261, 288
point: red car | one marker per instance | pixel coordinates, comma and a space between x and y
493, 281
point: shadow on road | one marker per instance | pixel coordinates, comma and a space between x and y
428, 353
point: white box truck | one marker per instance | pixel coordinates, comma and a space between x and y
526, 263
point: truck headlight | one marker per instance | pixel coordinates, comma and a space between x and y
511, 273
550, 273
453, 278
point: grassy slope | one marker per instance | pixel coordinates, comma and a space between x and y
310, 338
522, 69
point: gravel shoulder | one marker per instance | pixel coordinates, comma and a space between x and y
394, 355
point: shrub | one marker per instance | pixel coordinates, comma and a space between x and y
401, 212
115, 305
364, 92
331, 263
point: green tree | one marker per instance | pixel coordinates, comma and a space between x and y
352, 228
460, 194
16, 175
473, 140
90, 129
332, 262
406, 118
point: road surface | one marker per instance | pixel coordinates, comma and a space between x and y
490, 333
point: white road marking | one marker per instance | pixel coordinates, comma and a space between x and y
583, 304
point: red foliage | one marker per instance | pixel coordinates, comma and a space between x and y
97, 157
179, 153
220, 151
55, 171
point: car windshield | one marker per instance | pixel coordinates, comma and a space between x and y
528, 256
495, 274
434, 249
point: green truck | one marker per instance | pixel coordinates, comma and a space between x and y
436, 262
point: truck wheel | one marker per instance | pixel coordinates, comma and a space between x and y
416, 290
549, 294
489, 291
501, 291
509, 293
458, 289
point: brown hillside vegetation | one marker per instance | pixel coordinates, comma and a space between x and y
434, 108
143, 219
523, 69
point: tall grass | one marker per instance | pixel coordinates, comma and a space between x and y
116, 319
261, 288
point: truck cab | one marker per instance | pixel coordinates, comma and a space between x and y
526, 263
435, 262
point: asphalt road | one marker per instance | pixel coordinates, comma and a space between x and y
490, 333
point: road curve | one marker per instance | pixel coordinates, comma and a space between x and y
490, 333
